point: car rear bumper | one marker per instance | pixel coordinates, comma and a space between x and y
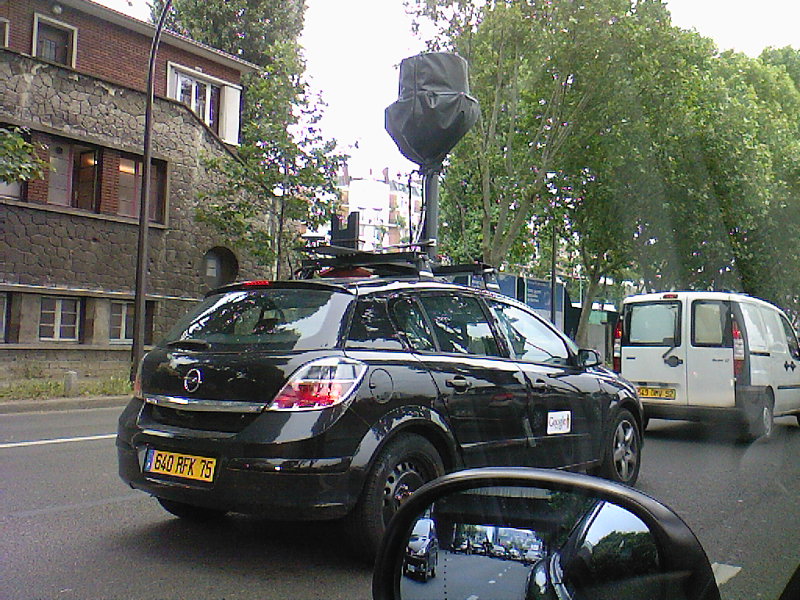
282, 489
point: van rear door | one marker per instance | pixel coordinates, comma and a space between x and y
710, 378
653, 352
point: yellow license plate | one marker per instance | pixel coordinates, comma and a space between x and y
649, 392
185, 466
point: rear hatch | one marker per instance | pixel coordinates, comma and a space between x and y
653, 349
237, 349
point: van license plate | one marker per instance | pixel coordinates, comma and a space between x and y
185, 466
649, 392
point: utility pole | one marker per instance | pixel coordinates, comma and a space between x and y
142, 249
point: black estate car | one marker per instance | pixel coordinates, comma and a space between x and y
331, 398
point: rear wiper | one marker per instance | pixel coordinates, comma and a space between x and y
190, 344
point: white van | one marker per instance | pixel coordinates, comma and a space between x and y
710, 355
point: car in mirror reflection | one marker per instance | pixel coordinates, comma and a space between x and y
584, 538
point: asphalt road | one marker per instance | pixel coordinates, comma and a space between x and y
73, 530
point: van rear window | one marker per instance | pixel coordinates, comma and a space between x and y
653, 324
711, 326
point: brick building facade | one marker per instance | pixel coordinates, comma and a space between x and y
73, 73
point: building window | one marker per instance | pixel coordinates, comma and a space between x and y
54, 41
4, 33
130, 187
10, 190
215, 101
3, 316
202, 96
121, 324
59, 319
73, 176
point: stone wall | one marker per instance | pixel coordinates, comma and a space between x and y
60, 248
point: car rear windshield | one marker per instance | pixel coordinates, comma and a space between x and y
653, 324
263, 319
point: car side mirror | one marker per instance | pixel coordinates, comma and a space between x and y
588, 358
539, 534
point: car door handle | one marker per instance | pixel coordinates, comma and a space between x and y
459, 383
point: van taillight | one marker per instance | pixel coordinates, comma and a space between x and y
738, 348
618, 347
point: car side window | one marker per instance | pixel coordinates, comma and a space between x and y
411, 323
791, 339
529, 338
371, 328
460, 325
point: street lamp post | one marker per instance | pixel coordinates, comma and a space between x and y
142, 250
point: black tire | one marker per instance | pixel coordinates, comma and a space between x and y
623, 449
198, 514
761, 421
403, 465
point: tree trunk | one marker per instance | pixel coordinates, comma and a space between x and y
582, 336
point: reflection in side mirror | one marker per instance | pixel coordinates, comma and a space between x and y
553, 535
588, 358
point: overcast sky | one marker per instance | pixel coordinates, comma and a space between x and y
353, 48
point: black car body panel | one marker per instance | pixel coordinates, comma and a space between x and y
209, 391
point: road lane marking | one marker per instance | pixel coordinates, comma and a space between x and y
78, 506
724, 573
85, 438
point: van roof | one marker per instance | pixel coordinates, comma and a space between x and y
697, 295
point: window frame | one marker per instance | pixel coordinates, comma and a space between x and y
631, 307
499, 340
5, 32
174, 74
158, 170
128, 307
569, 350
727, 337
75, 151
72, 44
58, 313
5, 304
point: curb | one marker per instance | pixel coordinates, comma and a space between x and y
55, 404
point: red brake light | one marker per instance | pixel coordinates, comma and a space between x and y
738, 348
670, 296
320, 384
617, 359
257, 283
137, 383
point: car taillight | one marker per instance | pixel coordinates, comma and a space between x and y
618, 347
137, 383
738, 348
320, 384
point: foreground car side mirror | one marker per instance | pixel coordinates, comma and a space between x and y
562, 535
588, 358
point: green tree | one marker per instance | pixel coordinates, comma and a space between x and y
284, 173
18, 158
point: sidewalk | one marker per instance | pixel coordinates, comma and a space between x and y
51, 404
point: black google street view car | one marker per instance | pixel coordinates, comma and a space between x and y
337, 398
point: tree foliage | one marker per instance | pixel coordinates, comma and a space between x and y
652, 154
18, 158
283, 175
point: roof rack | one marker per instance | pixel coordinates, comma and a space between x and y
479, 274
338, 261
333, 261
